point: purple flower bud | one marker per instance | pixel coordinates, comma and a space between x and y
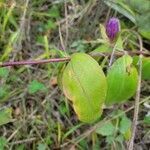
112, 28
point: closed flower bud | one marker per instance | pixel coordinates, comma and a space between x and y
112, 28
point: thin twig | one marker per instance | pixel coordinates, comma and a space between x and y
33, 62
137, 99
23, 141
66, 24
121, 53
112, 56
61, 39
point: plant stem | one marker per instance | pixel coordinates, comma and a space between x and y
137, 98
33, 62
136, 109
121, 53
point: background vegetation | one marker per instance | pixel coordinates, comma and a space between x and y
34, 113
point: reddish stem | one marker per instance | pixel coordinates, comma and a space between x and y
33, 62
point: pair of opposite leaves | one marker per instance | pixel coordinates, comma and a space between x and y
85, 84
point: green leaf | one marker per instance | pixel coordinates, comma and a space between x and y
3, 142
144, 32
110, 139
122, 8
79, 46
83, 144
127, 134
147, 120
143, 24
125, 127
106, 130
119, 44
120, 138
102, 48
145, 66
40, 39
5, 116
122, 80
50, 25
3, 91
84, 83
35, 86
41, 146
54, 12
4, 72
59, 76
103, 33
125, 124
140, 6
